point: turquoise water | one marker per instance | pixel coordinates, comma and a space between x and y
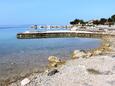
24, 55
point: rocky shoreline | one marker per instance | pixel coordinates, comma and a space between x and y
86, 68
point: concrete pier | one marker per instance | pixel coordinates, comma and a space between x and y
62, 34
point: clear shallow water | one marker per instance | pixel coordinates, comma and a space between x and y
24, 55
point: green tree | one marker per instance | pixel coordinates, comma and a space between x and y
110, 22
77, 21
72, 23
96, 22
102, 21
82, 22
113, 18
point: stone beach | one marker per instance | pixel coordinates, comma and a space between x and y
95, 68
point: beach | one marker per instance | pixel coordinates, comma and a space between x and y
97, 70
19, 58
57, 43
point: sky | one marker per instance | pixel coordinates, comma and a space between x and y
53, 12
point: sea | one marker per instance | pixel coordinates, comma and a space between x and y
22, 56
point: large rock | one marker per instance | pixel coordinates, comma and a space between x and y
54, 61
78, 54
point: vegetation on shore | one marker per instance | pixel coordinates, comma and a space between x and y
101, 21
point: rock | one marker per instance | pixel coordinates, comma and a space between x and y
107, 45
83, 51
97, 52
79, 53
53, 59
52, 64
25, 82
47, 70
89, 54
52, 72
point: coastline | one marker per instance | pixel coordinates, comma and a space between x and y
69, 44
62, 74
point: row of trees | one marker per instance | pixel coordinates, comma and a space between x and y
102, 21
77, 21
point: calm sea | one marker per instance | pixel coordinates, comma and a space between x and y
18, 56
